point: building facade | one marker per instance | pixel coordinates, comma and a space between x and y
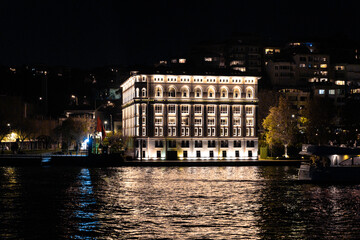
175, 116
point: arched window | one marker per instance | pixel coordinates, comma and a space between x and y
198, 92
137, 92
237, 93
249, 93
143, 91
223, 93
211, 92
185, 93
172, 92
158, 91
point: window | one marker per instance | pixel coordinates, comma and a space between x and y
237, 153
158, 121
249, 110
224, 93
237, 121
211, 144
211, 93
250, 144
249, 122
211, 154
224, 154
223, 109
223, 121
224, 144
158, 154
198, 92
158, 92
249, 93
172, 144
332, 91
237, 109
143, 92
172, 92
158, 144
185, 92
321, 91
185, 154
198, 144
172, 121
185, 109
237, 143
185, 121
185, 144
158, 109
198, 154
198, 121
172, 109
211, 109
236, 93
198, 109
211, 121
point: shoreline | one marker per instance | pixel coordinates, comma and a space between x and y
115, 161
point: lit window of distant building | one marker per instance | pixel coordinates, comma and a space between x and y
321, 91
332, 92
208, 59
182, 60
340, 82
323, 65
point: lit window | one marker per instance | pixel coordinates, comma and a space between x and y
249, 110
211, 121
158, 92
249, 93
340, 82
198, 92
185, 92
144, 92
182, 60
198, 121
236, 93
211, 93
332, 92
237, 121
224, 93
158, 121
224, 121
185, 109
172, 92
208, 59
249, 122
223, 109
321, 91
185, 121
172, 109
172, 121
237, 109
323, 65
211, 109
198, 109
158, 109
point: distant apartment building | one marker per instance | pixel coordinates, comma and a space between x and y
191, 115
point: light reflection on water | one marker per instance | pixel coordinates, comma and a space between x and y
173, 203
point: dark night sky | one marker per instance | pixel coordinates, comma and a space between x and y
94, 33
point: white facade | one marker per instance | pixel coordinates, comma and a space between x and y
191, 116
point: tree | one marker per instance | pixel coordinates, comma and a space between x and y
317, 118
280, 125
25, 129
4, 130
73, 130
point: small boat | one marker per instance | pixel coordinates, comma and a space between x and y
330, 164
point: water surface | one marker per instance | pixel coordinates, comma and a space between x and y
173, 203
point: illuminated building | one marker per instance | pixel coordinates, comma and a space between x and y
191, 116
